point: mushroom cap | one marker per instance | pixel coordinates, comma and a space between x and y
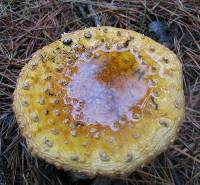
100, 101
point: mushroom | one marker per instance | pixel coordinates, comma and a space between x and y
100, 101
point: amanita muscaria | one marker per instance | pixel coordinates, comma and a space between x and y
100, 101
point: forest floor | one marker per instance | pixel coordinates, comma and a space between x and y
28, 25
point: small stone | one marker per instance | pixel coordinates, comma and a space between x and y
41, 101
128, 157
26, 86
35, 117
103, 156
73, 133
87, 35
48, 142
54, 131
74, 157
25, 103
67, 41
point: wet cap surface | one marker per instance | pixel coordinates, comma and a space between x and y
100, 101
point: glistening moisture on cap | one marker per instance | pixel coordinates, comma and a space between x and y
100, 101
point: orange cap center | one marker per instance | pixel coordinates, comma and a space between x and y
106, 88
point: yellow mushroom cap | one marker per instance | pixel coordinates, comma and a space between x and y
100, 101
